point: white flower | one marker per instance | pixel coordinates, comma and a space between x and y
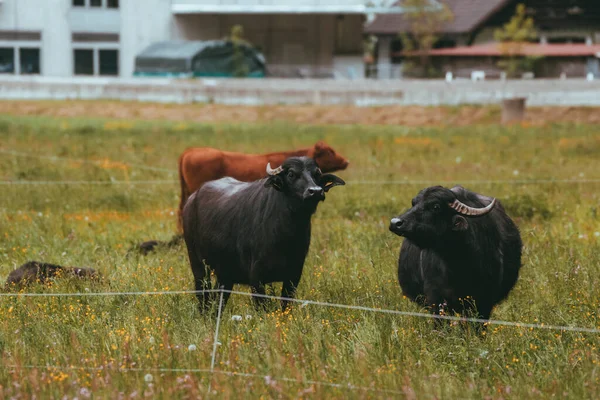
581, 174
148, 378
40, 214
516, 172
192, 347
87, 218
236, 317
458, 159
248, 316
597, 234
151, 340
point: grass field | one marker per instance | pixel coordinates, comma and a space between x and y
116, 346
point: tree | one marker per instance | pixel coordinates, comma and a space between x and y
425, 19
369, 46
236, 36
513, 37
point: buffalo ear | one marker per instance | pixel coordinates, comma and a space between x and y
459, 223
275, 181
327, 181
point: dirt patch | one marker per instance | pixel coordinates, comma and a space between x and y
317, 115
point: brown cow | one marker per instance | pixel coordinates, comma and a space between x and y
198, 165
202, 164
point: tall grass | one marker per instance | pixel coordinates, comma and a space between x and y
352, 260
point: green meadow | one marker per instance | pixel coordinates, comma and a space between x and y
159, 346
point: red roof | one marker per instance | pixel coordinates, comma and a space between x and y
467, 15
529, 49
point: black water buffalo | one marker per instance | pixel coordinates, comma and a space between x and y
461, 252
35, 271
254, 233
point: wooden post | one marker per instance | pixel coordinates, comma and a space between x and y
513, 110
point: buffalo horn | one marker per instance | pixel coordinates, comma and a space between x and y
275, 171
466, 210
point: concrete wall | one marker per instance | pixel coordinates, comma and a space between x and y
304, 91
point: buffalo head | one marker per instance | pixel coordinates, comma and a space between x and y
437, 212
302, 180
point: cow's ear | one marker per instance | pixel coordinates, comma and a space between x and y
459, 223
275, 181
327, 181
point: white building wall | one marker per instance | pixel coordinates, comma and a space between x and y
142, 23
56, 54
22, 14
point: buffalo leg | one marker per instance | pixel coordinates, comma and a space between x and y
288, 291
203, 283
259, 301
226, 286
201, 279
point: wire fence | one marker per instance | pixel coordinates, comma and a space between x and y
306, 302
72, 183
350, 183
354, 182
86, 161
270, 379
303, 302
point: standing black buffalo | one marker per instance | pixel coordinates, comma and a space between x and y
254, 233
462, 252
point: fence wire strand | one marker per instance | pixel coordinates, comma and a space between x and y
350, 183
305, 302
356, 182
72, 183
84, 161
267, 378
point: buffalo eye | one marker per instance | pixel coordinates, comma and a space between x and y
318, 172
436, 207
413, 202
291, 174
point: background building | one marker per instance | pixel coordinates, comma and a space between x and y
102, 37
572, 25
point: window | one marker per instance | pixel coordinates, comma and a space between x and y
95, 3
109, 62
104, 62
30, 60
7, 60
84, 62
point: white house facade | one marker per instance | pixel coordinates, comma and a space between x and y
102, 37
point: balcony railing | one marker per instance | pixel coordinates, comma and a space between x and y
283, 6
